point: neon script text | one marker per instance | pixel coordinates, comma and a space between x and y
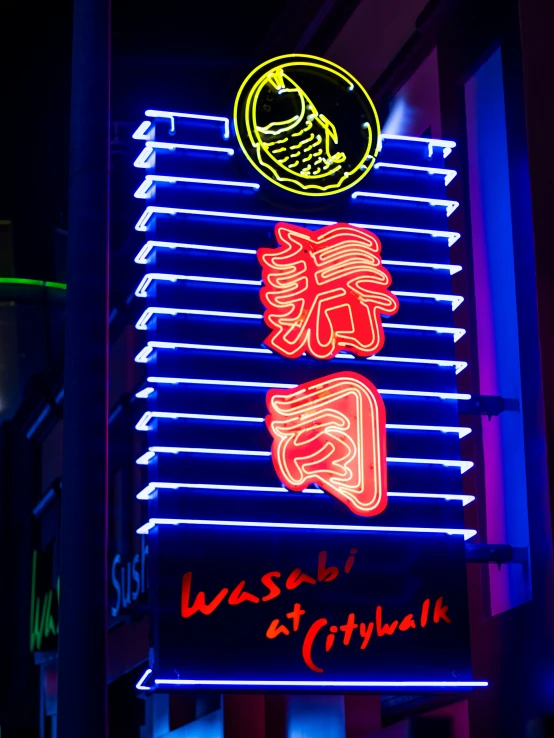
354, 632
122, 573
272, 589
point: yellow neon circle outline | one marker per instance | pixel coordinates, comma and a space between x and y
272, 67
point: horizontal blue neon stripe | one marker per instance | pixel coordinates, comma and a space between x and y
152, 487
152, 210
465, 532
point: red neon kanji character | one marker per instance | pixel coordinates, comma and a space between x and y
331, 432
325, 291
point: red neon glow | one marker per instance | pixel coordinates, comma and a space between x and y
361, 631
240, 594
325, 291
331, 432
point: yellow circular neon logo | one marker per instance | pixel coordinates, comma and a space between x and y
306, 124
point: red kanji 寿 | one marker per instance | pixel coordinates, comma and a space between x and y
325, 291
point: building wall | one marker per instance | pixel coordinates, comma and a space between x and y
511, 624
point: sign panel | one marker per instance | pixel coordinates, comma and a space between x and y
128, 580
303, 607
300, 411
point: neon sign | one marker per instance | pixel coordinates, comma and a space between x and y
365, 630
129, 579
44, 605
325, 291
306, 124
261, 474
274, 583
308, 609
332, 432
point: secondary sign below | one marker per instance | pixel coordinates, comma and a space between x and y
286, 606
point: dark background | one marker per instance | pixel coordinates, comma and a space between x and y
159, 51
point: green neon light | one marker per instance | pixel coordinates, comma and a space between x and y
33, 282
42, 623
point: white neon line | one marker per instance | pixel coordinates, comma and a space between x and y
448, 174
461, 431
463, 466
142, 356
140, 133
458, 365
151, 210
149, 415
144, 677
417, 393
149, 246
145, 190
143, 254
194, 116
236, 383
207, 347
438, 143
142, 323
197, 180
141, 291
456, 333
143, 160
291, 683
166, 146
465, 532
464, 499
174, 450
146, 458
452, 268
450, 205
152, 487
455, 300
144, 393
143, 530
220, 382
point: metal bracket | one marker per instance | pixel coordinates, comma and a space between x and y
500, 553
488, 405
482, 405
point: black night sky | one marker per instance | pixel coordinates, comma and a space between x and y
166, 54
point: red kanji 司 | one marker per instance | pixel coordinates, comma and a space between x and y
325, 291
332, 432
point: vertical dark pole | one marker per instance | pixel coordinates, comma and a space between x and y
82, 696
